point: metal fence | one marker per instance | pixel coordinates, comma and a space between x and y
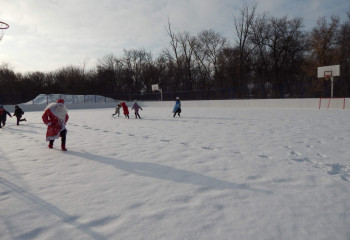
311, 90
70, 99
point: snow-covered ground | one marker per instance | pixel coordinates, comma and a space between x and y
214, 173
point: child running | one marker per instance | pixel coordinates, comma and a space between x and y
117, 110
177, 107
3, 114
125, 110
136, 108
19, 113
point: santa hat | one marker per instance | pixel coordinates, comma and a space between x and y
60, 101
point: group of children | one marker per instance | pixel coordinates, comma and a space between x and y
3, 115
136, 108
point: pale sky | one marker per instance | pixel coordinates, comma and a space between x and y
46, 35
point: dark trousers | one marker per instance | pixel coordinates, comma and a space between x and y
19, 120
63, 135
2, 122
178, 111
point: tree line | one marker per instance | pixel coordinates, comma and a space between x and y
267, 53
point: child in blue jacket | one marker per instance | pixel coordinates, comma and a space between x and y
177, 107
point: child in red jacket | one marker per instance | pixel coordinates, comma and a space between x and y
125, 109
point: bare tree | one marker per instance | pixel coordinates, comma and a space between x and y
324, 41
209, 45
243, 28
182, 46
136, 63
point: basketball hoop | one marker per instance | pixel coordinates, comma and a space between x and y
327, 74
3, 27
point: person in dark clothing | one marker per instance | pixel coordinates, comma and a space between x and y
19, 113
3, 114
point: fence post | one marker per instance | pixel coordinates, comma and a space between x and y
281, 91
263, 91
302, 90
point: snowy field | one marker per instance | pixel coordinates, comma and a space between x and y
211, 174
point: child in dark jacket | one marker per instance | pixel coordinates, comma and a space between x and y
19, 113
3, 114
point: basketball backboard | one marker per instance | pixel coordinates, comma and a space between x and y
328, 71
155, 87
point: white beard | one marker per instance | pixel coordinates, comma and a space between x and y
61, 113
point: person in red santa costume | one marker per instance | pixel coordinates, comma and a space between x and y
55, 117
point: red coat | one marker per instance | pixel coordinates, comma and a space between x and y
54, 125
125, 108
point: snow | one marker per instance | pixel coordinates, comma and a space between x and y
214, 173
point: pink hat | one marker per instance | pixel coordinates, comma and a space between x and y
60, 101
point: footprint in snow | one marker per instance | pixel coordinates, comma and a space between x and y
301, 159
294, 153
321, 155
136, 205
338, 169
207, 148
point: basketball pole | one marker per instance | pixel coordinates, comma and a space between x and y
331, 86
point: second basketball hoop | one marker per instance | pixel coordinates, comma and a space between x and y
329, 72
3, 26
